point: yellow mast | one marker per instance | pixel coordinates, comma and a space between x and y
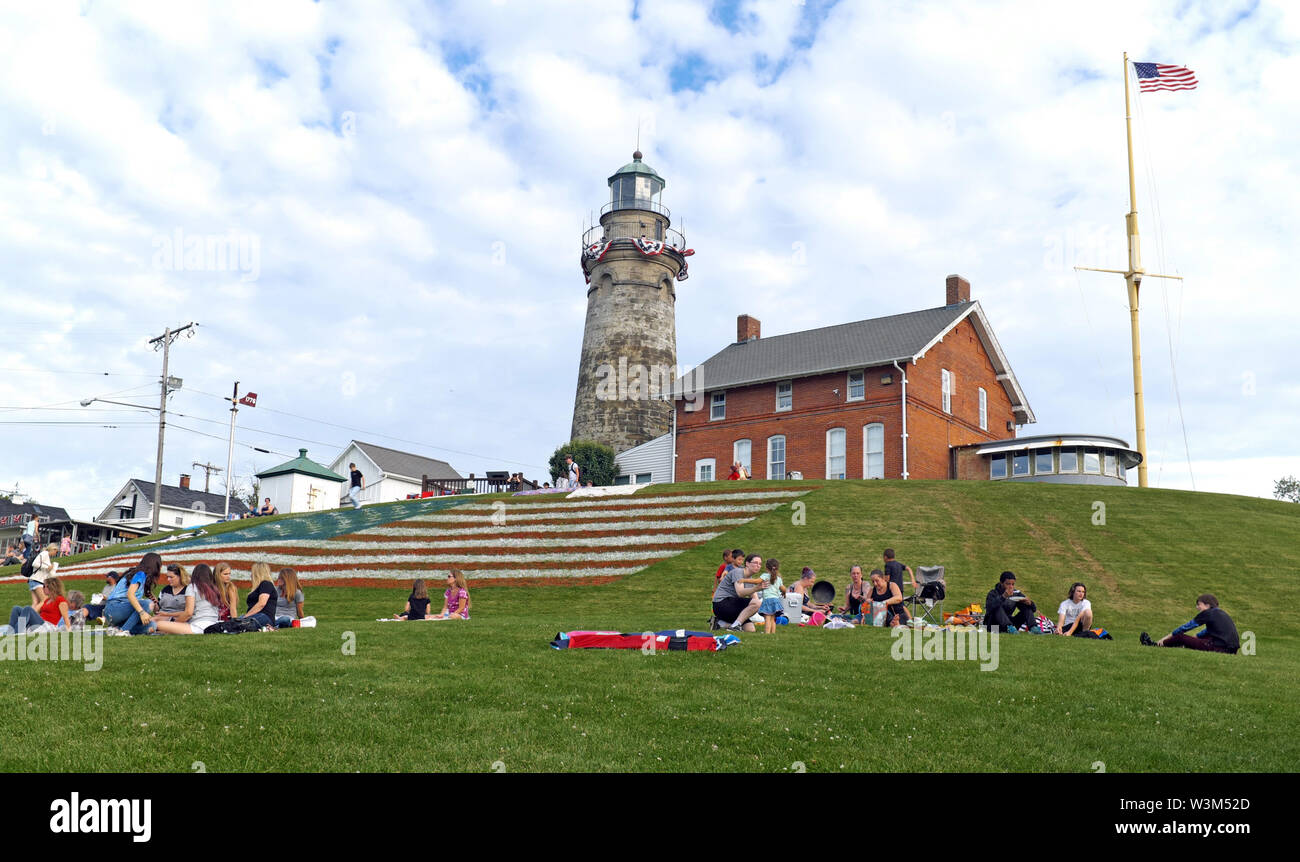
1133, 278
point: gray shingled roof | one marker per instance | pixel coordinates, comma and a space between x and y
846, 346
185, 498
48, 513
397, 463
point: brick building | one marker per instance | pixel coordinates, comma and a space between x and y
880, 398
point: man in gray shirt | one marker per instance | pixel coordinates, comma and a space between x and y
739, 594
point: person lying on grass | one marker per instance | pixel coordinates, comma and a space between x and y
54, 610
1220, 633
803, 587
417, 604
288, 598
738, 595
1075, 614
455, 601
202, 606
885, 592
261, 597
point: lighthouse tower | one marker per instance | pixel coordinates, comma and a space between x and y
632, 261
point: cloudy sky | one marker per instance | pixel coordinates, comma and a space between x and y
404, 186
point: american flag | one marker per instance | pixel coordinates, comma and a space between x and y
1161, 76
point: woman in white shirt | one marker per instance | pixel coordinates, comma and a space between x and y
1075, 614
202, 605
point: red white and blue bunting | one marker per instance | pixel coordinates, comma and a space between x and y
648, 247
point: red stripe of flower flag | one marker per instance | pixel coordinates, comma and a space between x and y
1161, 76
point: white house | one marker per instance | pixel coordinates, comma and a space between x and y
300, 485
389, 474
181, 507
652, 461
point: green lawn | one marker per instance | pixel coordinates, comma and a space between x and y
829, 700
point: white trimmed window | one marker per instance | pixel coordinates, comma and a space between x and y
1043, 462
998, 467
784, 396
873, 451
1112, 464
704, 469
776, 457
1069, 460
984, 410
1020, 463
947, 391
857, 385
835, 460
718, 406
740, 451
1091, 461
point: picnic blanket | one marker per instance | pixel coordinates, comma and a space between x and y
679, 640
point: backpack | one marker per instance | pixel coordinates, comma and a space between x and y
28, 566
236, 626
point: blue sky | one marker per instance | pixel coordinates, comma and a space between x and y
409, 184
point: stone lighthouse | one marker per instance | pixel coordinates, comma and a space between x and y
632, 261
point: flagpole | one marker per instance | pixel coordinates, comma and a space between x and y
1133, 278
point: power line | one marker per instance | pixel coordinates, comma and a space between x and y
377, 434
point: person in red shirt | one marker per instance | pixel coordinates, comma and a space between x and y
54, 610
728, 560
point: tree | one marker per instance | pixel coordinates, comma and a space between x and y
595, 460
1287, 488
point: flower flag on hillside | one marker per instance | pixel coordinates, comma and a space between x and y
1161, 76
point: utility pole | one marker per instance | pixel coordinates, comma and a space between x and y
164, 342
230, 450
208, 470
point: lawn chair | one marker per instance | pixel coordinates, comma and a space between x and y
927, 605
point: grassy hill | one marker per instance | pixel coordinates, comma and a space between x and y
802, 698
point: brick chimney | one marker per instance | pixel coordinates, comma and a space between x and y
747, 328
185, 481
958, 290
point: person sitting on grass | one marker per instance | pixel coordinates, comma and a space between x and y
1075, 614
133, 613
417, 603
455, 600
803, 587
76, 609
54, 610
288, 600
738, 595
855, 593
202, 606
226, 589
175, 595
885, 592
772, 605
96, 611
261, 597
1008, 609
1220, 633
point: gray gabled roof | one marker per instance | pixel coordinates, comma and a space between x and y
845, 346
849, 346
185, 498
404, 464
48, 514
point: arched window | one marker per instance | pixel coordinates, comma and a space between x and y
835, 459
873, 451
740, 451
776, 457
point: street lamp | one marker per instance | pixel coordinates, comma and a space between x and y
171, 383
